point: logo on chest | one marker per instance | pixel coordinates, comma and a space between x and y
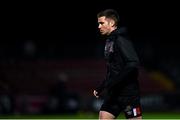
109, 47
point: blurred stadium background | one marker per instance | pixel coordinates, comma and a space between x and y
52, 58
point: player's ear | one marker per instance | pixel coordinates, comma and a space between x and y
112, 22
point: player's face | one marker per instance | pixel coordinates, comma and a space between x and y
104, 25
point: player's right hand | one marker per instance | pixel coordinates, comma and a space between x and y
95, 94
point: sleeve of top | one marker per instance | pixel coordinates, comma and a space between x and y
130, 59
101, 86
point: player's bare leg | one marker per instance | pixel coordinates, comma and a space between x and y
103, 115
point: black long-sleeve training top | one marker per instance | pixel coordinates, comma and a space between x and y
122, 65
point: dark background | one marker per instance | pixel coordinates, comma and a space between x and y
69, 29
40, 40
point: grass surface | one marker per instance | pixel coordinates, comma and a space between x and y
147, 115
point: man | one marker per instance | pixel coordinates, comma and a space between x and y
121, 83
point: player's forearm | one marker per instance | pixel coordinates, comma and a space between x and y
101, 87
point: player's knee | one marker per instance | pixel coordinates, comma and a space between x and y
105, 115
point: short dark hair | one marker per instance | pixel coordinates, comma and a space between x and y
110, 13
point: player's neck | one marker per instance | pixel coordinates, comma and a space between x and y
112, 29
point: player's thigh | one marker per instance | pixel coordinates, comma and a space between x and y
106, 115
111, 105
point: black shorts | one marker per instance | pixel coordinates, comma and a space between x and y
130, 105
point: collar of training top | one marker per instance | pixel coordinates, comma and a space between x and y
119, 31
